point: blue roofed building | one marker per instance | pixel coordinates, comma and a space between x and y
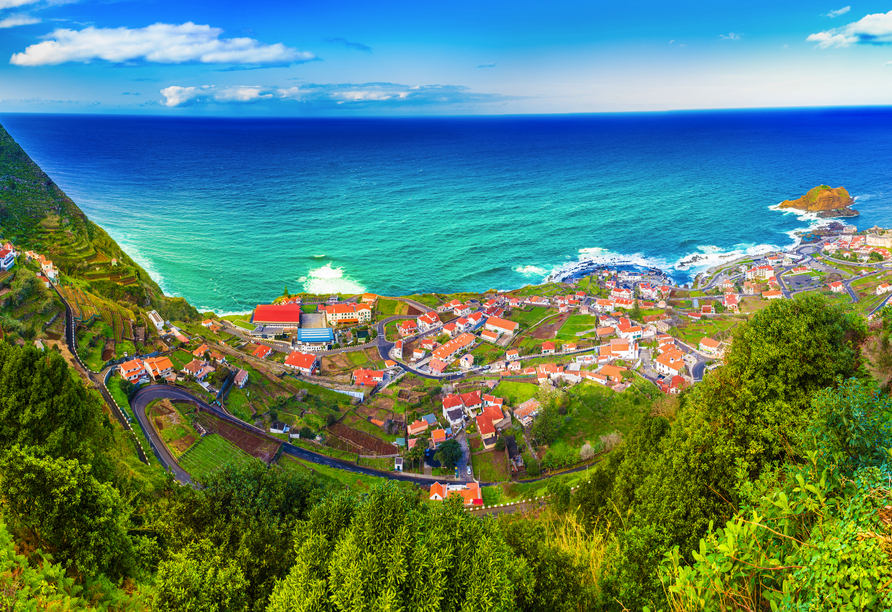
315, 339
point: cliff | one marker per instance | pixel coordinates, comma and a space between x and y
826, 201
36, 214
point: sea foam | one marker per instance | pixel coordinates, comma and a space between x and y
329, 279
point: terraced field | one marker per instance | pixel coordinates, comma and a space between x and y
211, 454
373, 445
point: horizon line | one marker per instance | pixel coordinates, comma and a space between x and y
125, 113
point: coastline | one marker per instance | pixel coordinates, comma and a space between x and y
331, 278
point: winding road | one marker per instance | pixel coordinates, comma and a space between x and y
146, 395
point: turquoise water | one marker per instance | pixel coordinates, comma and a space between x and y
228, 212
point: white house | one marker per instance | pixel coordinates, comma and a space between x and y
710, 346
241, 379
501, 326
156, 319
631, 332
348, 313
304, 363
428, 321
670, 363
884, 288
132, 370
7, 259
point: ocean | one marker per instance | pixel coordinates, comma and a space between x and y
230, 212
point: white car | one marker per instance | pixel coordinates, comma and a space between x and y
469, 470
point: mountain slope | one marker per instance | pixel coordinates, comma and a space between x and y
35, 214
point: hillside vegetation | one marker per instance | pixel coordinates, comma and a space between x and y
767, 488
35, 214
821, 198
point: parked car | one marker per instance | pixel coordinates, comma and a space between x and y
469, 470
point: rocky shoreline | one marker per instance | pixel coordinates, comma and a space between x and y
838, 213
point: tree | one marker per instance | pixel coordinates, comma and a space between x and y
547, 424
560, 495
197, 579
449, 453
306, 433
42, 405
551, 579
126, 387
852, 425
500, 443
388, 551
67, 512
243, 513
635, 315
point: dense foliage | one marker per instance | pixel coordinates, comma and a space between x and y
767, 489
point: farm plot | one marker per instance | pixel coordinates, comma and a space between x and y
174, 429
576, 324
373, 445
118, 326
527, 318
251, 443
550, 328
212, 453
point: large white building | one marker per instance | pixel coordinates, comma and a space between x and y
348, 313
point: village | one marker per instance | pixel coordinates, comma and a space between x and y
453, 388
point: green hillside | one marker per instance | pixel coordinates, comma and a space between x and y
104, 286
36, 215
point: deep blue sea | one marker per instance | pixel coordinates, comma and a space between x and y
228, 212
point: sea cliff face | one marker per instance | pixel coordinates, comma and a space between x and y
827, 201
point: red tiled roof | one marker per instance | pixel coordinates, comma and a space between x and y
277, 313
452, 401
472, 398
262, 351
502, 323
304, 361
485, 426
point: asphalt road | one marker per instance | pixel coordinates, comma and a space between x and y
146, 395
70, 340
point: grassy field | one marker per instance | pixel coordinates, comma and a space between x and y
390, 307
211, 454
124, 348
491, 466
359, 482
180, 358
693, 332
596, 410
515, 393
526, 319
487, 353
114, 387
237, 404
546, 290
576, 324
428, 299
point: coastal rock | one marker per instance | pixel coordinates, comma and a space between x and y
828, 202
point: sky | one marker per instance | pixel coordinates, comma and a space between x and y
298, 58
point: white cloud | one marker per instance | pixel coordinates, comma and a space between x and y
18, 20
328, 95
839, 12
5, 4
160, 43
875, 29
730, 36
